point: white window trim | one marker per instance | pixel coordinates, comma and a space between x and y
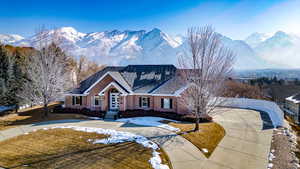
94, 100
102, 77
148, 104
169, 103
75, 103
113, 84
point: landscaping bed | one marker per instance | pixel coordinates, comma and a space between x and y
168, 115
284, 150
69, 148
206, 139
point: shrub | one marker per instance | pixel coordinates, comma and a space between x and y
84, 111
167, 115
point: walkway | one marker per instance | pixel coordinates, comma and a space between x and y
245, 145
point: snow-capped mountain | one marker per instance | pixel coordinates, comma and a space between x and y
117, 47
246, 57
281, 49
255, 38
9, 39
152, 47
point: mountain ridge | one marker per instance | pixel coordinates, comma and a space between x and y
117, 47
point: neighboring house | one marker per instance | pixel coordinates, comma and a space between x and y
148, 87
292, 107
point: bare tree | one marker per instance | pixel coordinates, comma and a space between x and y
204, 70
47, 71
79, 68
84, 68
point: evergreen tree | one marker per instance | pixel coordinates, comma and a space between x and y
11, 75
4, 75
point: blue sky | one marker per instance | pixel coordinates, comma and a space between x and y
233, 18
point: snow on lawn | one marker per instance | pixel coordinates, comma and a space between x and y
120, 137
95, 118
150, 121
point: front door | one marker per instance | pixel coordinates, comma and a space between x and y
114, 101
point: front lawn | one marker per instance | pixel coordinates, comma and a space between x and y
67, 148
33, 115
206, 139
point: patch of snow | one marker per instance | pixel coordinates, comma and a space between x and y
270, 165
291, 98
156, 161
94, 118
204, 150
271, 156
150, 121
120, 137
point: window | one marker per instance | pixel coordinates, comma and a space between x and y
97, 101
144, 102
77, 100
166, 103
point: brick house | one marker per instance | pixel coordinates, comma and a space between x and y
132, 87
292, 107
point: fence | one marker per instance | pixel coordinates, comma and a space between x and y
275, 113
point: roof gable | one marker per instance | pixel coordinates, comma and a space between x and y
87, 83
133, 78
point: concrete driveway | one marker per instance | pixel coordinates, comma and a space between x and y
245, 146
247, 142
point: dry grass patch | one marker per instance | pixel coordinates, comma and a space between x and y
33, 115
208, 137
68, 149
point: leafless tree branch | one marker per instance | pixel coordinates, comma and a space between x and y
204, 70
47, 70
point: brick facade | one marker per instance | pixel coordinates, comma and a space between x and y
128, 102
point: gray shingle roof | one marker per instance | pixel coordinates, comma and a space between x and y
170, 86
85, 84
145, 78
159, 79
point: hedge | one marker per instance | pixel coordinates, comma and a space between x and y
84, 111
168, 115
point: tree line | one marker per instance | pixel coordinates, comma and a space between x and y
42, 74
